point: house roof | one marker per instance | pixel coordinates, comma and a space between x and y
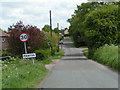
2, 33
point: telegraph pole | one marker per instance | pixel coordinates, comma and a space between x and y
50, 31
50, 24
61, 37
58, 36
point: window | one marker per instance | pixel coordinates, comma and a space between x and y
3, 39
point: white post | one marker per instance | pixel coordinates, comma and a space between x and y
25, 51
33, 60
25, 47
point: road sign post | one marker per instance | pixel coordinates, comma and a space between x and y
23, 38
25, 47
30, 55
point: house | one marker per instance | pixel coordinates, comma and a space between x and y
66, 31
3, 40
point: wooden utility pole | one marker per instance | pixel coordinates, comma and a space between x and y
50, 24
58, 36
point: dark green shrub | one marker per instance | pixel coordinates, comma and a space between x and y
77, 27
65, 35
42, 54
6, 53
85, 52
101, 26
53, 50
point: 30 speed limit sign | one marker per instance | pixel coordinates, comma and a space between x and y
23, 37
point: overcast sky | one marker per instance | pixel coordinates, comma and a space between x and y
36, 12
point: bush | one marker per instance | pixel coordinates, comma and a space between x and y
42, 54
66, 35
85, 52
107, 55
6, 53
53, 50
77, 27
35, 41
101, 26
52, 40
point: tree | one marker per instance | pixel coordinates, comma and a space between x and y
36, 37
101, 27
46, 28
56, 30
77, 27
95, 23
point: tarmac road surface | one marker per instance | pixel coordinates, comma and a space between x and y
74, 70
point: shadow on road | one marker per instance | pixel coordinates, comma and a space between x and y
68, 43
75, 59
72, 53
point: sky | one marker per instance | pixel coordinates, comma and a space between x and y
36, 12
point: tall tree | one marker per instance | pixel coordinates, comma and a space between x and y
77, 27
46, 28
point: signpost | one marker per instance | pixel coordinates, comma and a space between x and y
29, 55
24, 38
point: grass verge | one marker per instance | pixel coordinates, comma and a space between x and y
16, 74
58, 55
107, 55
85, 52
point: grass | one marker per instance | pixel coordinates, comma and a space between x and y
107, 55
21, 75
16, 74
85, 52
58, 55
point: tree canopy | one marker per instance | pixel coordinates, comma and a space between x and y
94, 24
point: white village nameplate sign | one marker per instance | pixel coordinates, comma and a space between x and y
29, 55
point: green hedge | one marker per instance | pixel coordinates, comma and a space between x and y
42, 54
65, 35
6, 53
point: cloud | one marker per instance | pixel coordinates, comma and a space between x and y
37, 12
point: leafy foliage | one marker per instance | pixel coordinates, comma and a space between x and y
46, 28
42, 54
6, 53
108, 55
19, 75
77, 27
56, 30
101, 27
36, 38
95, 24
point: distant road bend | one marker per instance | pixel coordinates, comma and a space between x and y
74, 70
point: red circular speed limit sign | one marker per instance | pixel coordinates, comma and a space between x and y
23, 37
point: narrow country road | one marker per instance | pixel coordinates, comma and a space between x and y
74, 70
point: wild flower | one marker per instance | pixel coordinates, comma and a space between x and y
106, 44
5, 65
28, 72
